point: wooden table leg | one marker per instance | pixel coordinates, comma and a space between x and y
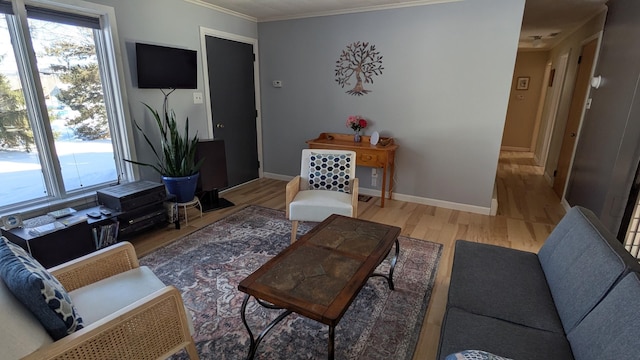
384, 186
391, 171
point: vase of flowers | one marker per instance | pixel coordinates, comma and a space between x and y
356, 123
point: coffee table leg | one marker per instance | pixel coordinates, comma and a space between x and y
254, 342
393, 265
391, 268
332, 336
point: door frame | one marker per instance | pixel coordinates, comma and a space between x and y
554, 108
204, 32
598, 38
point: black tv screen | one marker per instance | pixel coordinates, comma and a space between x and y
161, 67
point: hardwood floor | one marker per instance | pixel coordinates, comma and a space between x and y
528, 210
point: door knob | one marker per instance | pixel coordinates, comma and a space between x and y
218, 125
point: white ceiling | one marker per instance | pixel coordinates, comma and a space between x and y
541, 17
546, 17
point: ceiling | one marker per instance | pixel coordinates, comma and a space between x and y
542, 18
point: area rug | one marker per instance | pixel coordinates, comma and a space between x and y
364, 198
208, 265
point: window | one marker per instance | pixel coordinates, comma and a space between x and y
62, 126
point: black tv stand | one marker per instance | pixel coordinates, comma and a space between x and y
210, 200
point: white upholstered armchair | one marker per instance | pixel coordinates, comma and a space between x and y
326, 185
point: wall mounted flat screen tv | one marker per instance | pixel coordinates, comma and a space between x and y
161, 67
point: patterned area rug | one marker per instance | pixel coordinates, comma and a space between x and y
208, 265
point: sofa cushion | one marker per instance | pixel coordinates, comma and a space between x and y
610, 330
503, 283
463, 330
330, 172
38, 290
582, 261
20, 333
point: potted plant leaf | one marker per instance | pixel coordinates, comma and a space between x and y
176, 160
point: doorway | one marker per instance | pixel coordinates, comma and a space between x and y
586, 62
231, 75
557, 78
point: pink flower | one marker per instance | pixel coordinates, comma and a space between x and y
356, 122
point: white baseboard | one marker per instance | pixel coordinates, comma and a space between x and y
432, 202
537, 160
221, 192
443, 204
548, 178
408, 198
277, 176
494, 200
370, 192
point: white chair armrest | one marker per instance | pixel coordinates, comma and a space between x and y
293, 187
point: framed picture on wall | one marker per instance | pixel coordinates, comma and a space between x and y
522, 83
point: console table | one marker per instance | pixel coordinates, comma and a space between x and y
377, 156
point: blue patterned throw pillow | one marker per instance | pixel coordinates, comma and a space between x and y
330, 172
38, 290
474, 355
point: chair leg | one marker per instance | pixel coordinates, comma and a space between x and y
294, 230
191, 350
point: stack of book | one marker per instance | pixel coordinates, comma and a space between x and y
105, 235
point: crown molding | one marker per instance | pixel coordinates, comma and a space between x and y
357, 10
222, 10
320, 13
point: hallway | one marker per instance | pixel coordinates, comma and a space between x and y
523, 192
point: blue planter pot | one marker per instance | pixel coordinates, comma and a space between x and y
184, 188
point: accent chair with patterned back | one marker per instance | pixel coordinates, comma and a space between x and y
326, 185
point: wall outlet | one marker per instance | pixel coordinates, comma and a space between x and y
197, 98
277, 83
374, 173
374, 181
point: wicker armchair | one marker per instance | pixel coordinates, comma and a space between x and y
152, 327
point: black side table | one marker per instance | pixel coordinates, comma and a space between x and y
63, 244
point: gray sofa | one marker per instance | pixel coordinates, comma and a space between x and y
578, 298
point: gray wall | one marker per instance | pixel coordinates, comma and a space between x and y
608, 150
167, 23
443, 94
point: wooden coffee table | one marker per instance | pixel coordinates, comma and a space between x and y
319, 275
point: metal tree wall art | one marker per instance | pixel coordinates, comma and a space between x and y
363, 61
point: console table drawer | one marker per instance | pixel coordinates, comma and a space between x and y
370, 159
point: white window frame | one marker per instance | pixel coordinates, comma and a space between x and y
115, 96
